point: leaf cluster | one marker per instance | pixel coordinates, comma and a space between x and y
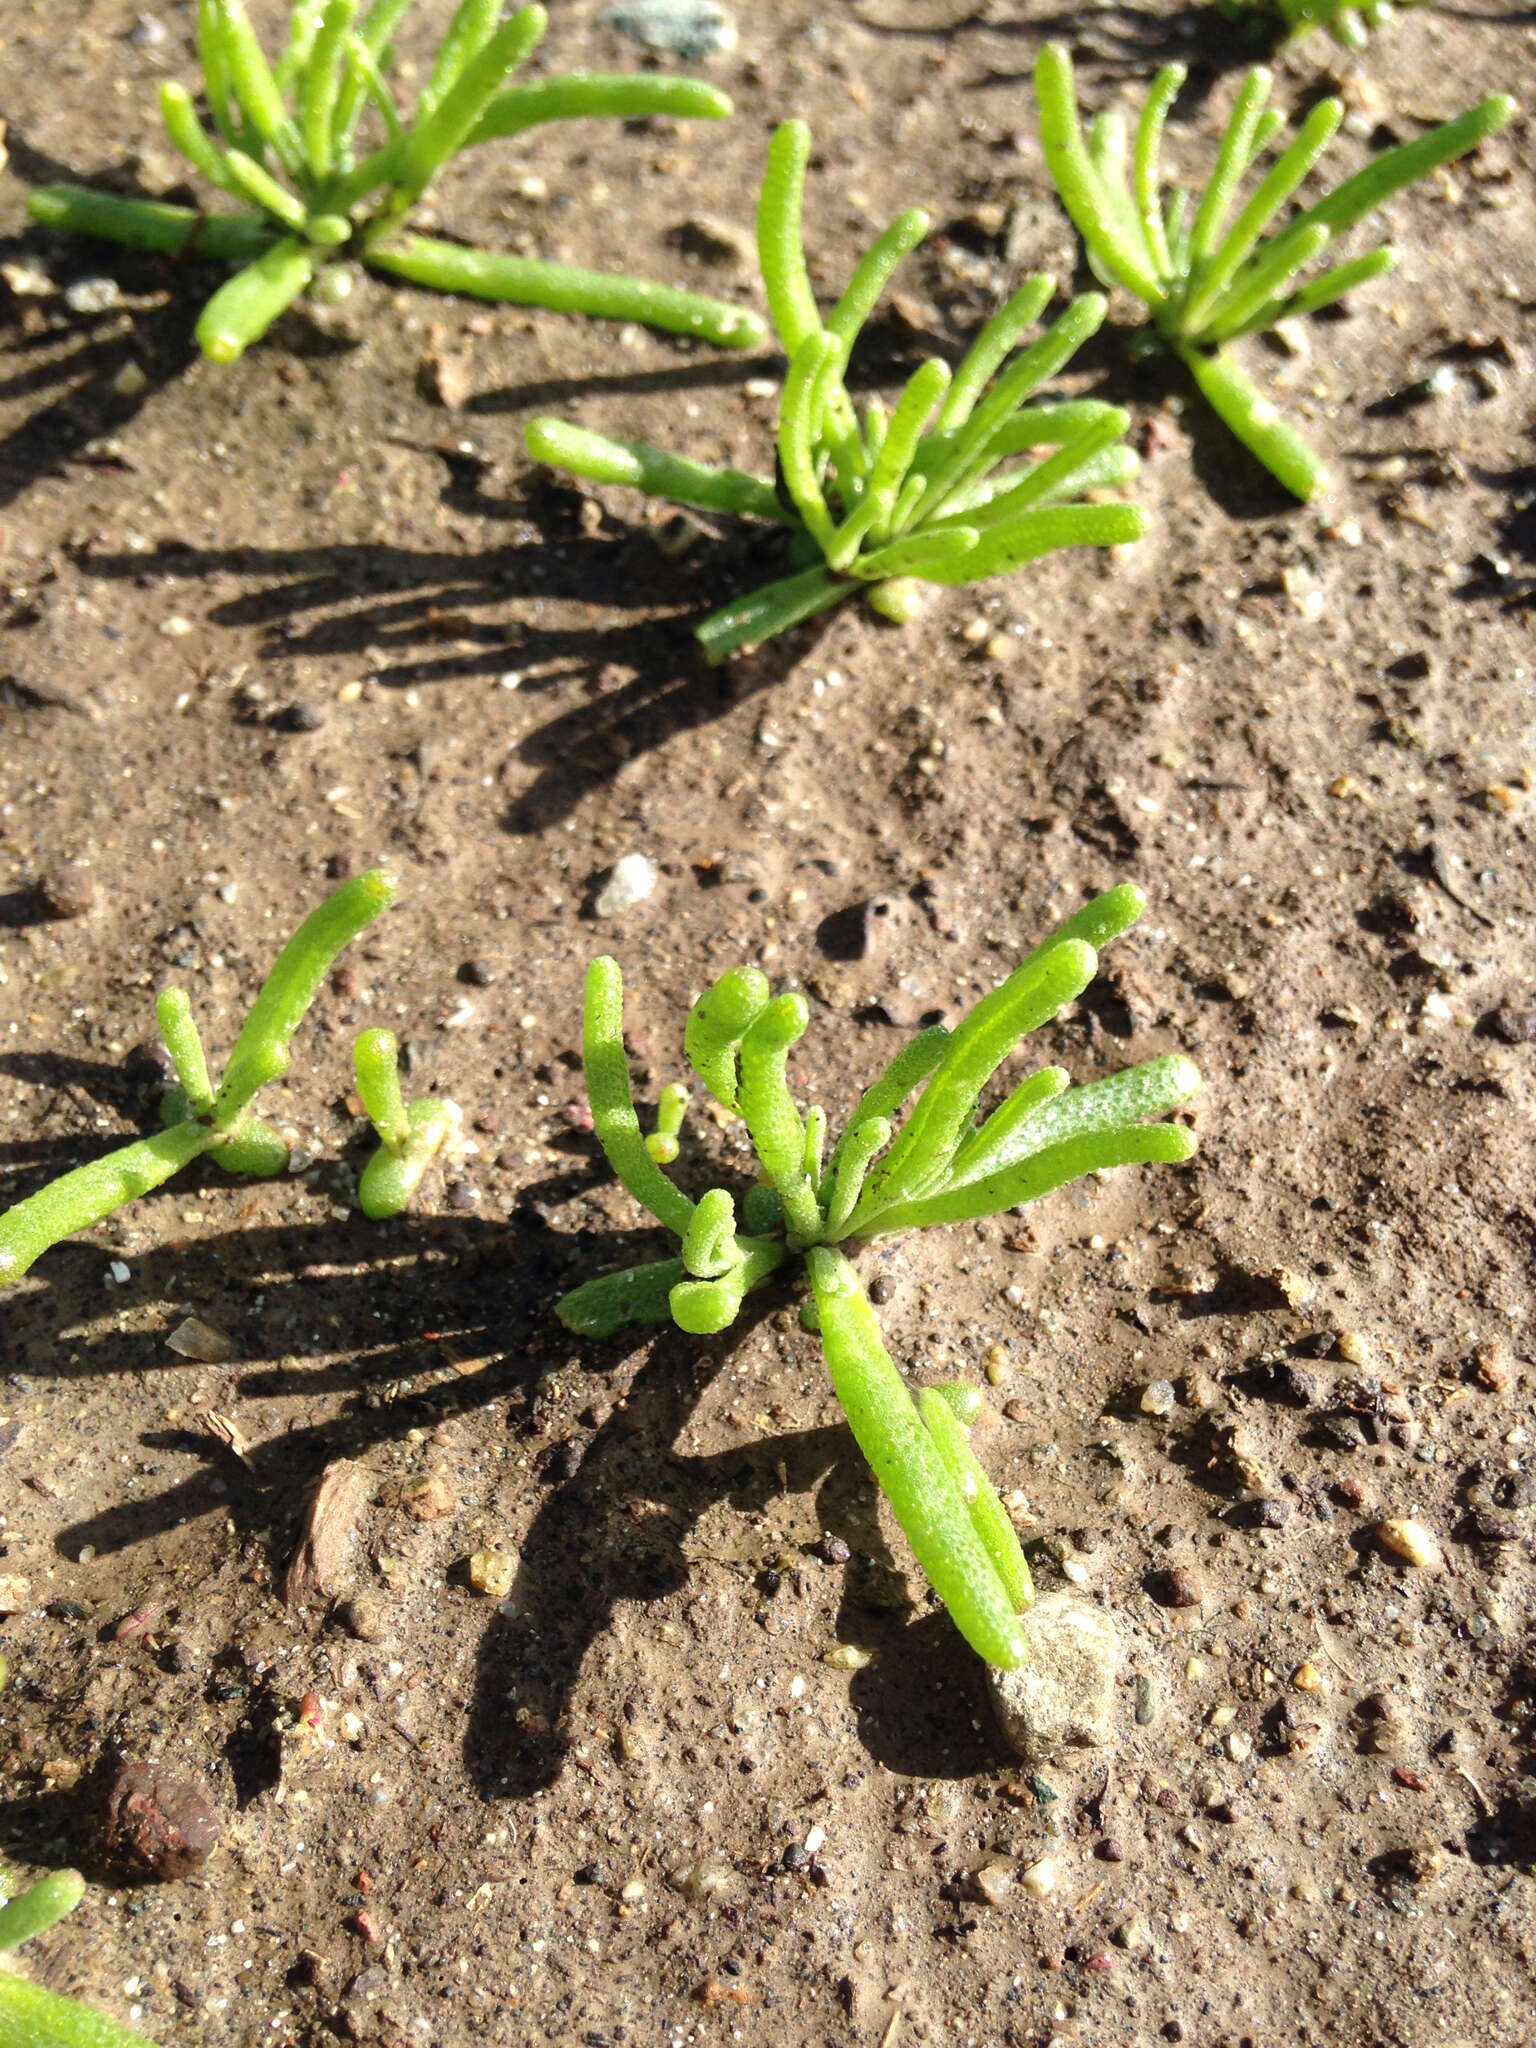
203, 1118
284, 145
1214, 270
888, 1172
884, 501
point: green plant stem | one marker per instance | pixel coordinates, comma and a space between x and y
31, 2017
583, 95
613, 1108
173, 1011
40, 1906
1258, 424
940, 1409
376, 1065
241, 311
561, 288
293, 984
773, 609
149, 224
702, 1307
933, 1513
602, 1307
92, 1192
641, 467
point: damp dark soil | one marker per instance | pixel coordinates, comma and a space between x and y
263, 625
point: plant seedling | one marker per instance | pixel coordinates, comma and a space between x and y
1208, 283
410, 1134
884, 502
31, 2017
198, 1117
283, 147
884, 1175
1347, 24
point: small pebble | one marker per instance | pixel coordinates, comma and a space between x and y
203, 1342
1307, 1678
161, 1825
1410, 1541
478, 973
1039, 1879
492, 1572
1159, 1398
1110, 1850
1178, 1587
702, 1880
300, 717
68, 891
993, 1884
92, 295
690, 29
632, 880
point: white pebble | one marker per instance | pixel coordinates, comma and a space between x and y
633, 879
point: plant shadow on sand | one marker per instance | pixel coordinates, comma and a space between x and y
643, 678
427, 1347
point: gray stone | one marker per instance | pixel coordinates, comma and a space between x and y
1064, 1695
689, 29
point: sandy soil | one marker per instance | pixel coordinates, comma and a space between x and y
262, 625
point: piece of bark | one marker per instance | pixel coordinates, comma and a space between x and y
332, 1522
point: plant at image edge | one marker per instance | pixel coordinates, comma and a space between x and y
883, 503
1349, 25
31, 2017
883, 1175
1207, 284
308, 199
200, 1118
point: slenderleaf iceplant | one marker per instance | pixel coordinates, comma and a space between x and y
885, 501
1348, 24
201, 1118
885, 1174
284, 147
30, 2015
1209, 278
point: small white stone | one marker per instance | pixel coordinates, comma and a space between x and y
1039, 1879
1063, 1696
633, 879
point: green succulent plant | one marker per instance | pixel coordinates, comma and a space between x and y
882, 502
201, 1119
1209, 278
884, 1175
30, 2016
284, 147
1350, 25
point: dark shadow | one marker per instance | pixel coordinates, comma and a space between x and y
589, 1549
642, 680
694, 376
471, 1299
80, 357
1510, 573
1119, 38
